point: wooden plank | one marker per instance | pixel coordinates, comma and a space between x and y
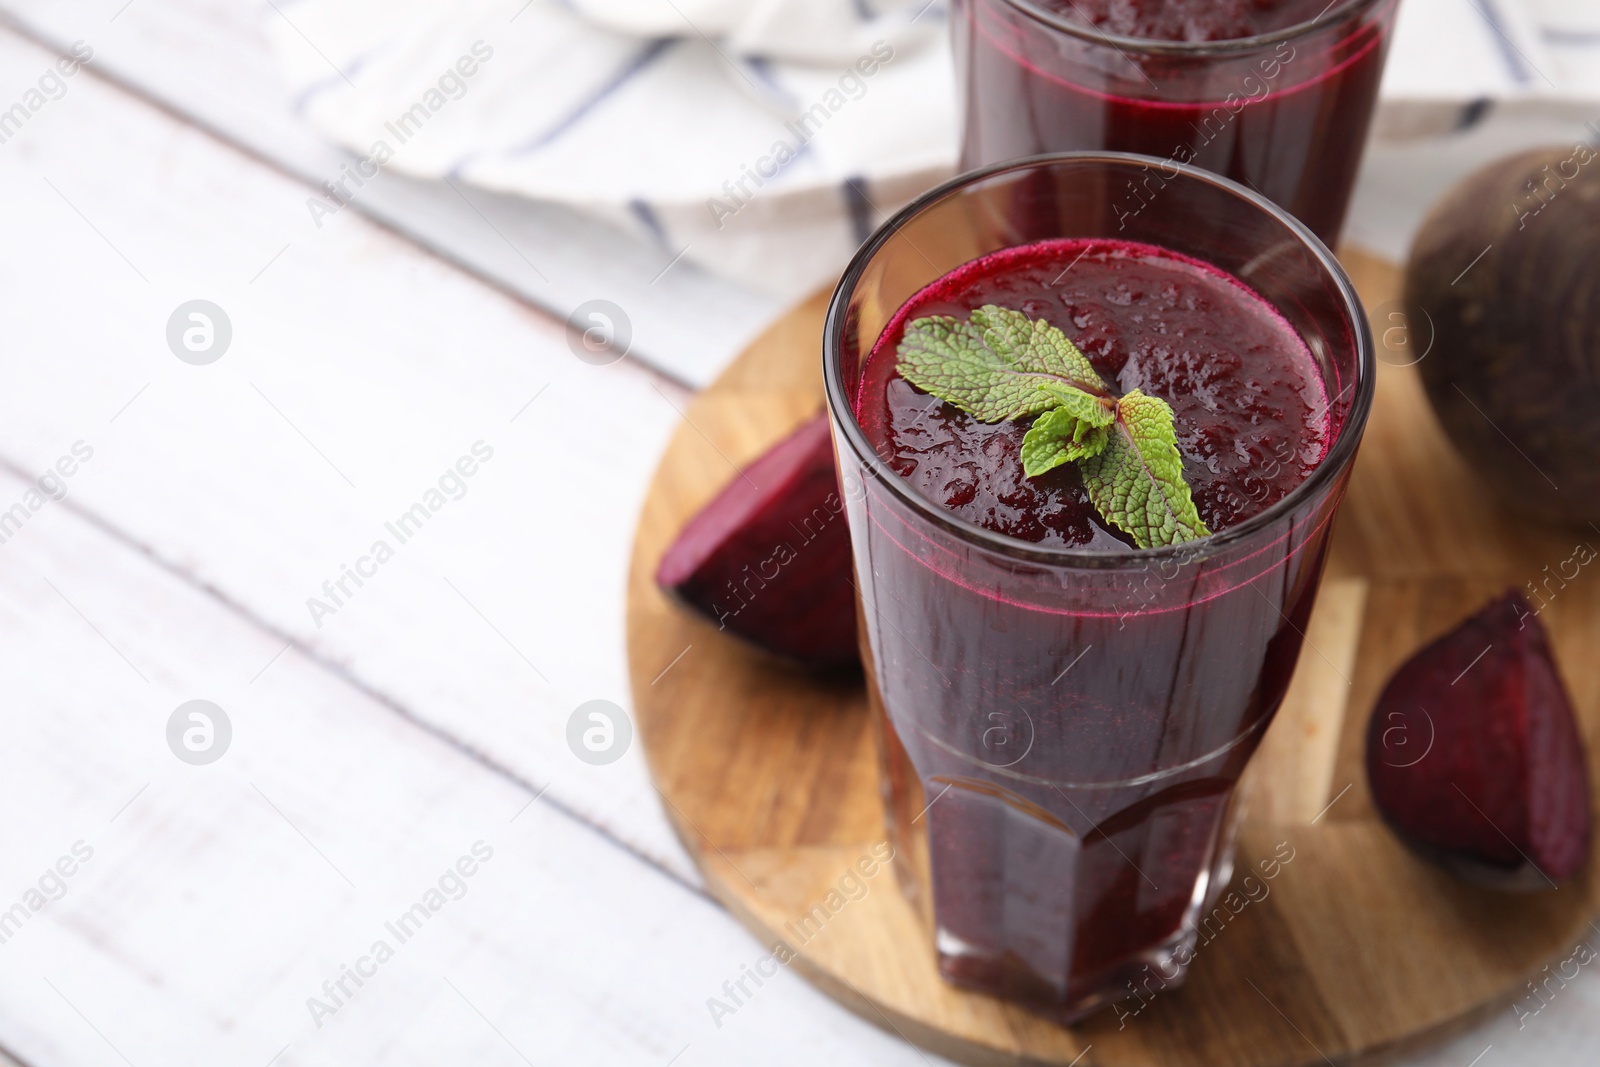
359, 373
208, 61
208, 903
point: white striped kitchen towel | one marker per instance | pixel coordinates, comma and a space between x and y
764, 138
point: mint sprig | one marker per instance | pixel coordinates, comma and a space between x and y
999, 365
996, 365
1137, 482
1078, 429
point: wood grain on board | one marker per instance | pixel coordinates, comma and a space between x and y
1360, 949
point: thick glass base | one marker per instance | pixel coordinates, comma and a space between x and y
1062, 919
1134, 980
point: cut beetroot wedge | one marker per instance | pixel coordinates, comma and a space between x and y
768, 559
1474, 755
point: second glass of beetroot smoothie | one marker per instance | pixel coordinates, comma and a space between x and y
1063, 717
1276, 94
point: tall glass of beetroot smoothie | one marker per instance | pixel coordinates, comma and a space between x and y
1276, 94
1064, 716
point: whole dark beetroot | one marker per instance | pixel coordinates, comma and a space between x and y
768, 559
1503, 288
1474, 755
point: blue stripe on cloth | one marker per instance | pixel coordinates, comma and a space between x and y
300, 102
802, 152
649, 220
1515, 64
860, 207
1473, 113
761, 67
1578, 38
641, 59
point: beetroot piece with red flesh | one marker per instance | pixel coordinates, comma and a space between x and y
1474, 755
769, 558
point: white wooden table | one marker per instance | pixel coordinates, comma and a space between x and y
421, 722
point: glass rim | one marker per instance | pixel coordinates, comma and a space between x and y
1334, 12
841, 406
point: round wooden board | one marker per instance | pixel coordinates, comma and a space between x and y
1359, 949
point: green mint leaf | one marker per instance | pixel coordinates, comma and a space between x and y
1075, 430
1058, 438
1136, 481
997, 365
1094, 410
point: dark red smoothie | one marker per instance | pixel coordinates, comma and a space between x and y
1288, 118
1073, 769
